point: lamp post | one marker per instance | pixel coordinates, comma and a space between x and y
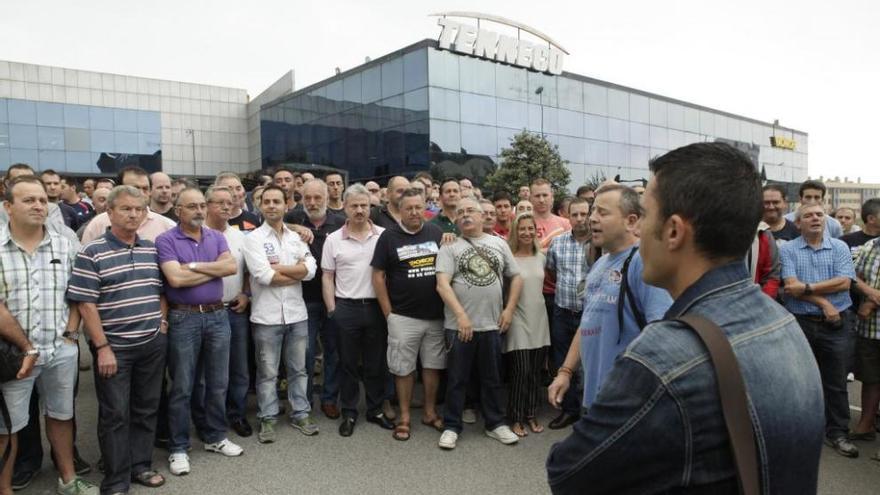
540, 92
192, 134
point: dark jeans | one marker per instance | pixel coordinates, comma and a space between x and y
363, 336
484, 351
319, 324
193, 338
831, 347
240, 349
128, 404
562, 331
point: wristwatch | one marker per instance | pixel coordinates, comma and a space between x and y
191, 265
32, 352
808, 290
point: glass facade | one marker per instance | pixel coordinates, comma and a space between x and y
427, 108
78, 138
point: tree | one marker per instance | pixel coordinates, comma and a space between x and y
529, 157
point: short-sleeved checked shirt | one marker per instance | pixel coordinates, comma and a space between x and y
32, 287
832, 259
867, 266
568, 258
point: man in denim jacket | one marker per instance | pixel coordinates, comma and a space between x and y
657, 424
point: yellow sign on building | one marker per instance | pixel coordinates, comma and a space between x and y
782, 142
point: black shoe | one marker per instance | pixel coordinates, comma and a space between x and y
382, 421
242, 428
562, 421
843, 446
80, 465
22, 479
346, 428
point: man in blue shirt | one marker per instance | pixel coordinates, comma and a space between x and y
812, 192
817, 271
617, 302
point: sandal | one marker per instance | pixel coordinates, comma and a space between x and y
401, 431
150, 479
535, 426
435, 423
519, 430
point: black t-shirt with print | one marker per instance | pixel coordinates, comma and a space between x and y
409, 264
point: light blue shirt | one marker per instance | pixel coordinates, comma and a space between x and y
602, 339
832, 226
832, 259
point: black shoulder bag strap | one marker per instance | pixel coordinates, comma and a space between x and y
626, 293
488, 262
8, 422
734, 401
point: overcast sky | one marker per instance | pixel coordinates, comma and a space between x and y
814, 65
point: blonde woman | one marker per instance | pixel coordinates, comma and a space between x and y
529, 335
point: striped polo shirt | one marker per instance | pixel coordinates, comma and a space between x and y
125, 283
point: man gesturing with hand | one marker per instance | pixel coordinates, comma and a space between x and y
470, 274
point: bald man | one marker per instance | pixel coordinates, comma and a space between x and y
388, 216
160, 195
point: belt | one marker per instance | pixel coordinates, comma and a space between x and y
369, 300
819, 318
576, 313
198, 308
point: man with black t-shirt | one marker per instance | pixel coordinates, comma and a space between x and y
406, 286
388, 216
239, 218
871, 230
335, 186
775, 205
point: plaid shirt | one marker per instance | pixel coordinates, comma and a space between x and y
867, 266
568, 258
832, 259
32, 287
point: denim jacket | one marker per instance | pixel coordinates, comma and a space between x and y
657, 424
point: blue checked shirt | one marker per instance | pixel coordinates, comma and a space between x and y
832, 259
867, 266
568, 258
32, 287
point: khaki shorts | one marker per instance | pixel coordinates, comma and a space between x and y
868, 361
410, 337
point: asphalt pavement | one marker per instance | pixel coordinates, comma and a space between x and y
371, 462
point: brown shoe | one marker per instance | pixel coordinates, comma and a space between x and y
330, 410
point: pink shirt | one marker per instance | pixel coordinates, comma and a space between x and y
350, 259
549, 228
153, 225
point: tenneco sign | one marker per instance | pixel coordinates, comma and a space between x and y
473, 40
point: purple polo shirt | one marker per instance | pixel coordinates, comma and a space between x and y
174, 245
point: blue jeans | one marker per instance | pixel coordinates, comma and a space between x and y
193, 338
831, 347
239, 374
271, 341
562, 331
483, 352
318, 322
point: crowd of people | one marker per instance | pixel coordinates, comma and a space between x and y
190, 298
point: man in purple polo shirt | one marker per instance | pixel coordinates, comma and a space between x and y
194, 260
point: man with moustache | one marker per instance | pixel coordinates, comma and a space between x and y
194, 260
316, 217
352, 305
618, 304
278, 260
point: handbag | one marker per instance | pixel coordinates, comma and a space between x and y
11, 359
734, 401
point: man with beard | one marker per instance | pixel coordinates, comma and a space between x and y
316, 217
194, 260
775, 205
278, 261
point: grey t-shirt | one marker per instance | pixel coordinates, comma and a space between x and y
474, 281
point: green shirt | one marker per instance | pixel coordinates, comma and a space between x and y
445, 224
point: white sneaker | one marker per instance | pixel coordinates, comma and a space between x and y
448, 439
503, 434
178, 464
850, 377
469, 416
224, 447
